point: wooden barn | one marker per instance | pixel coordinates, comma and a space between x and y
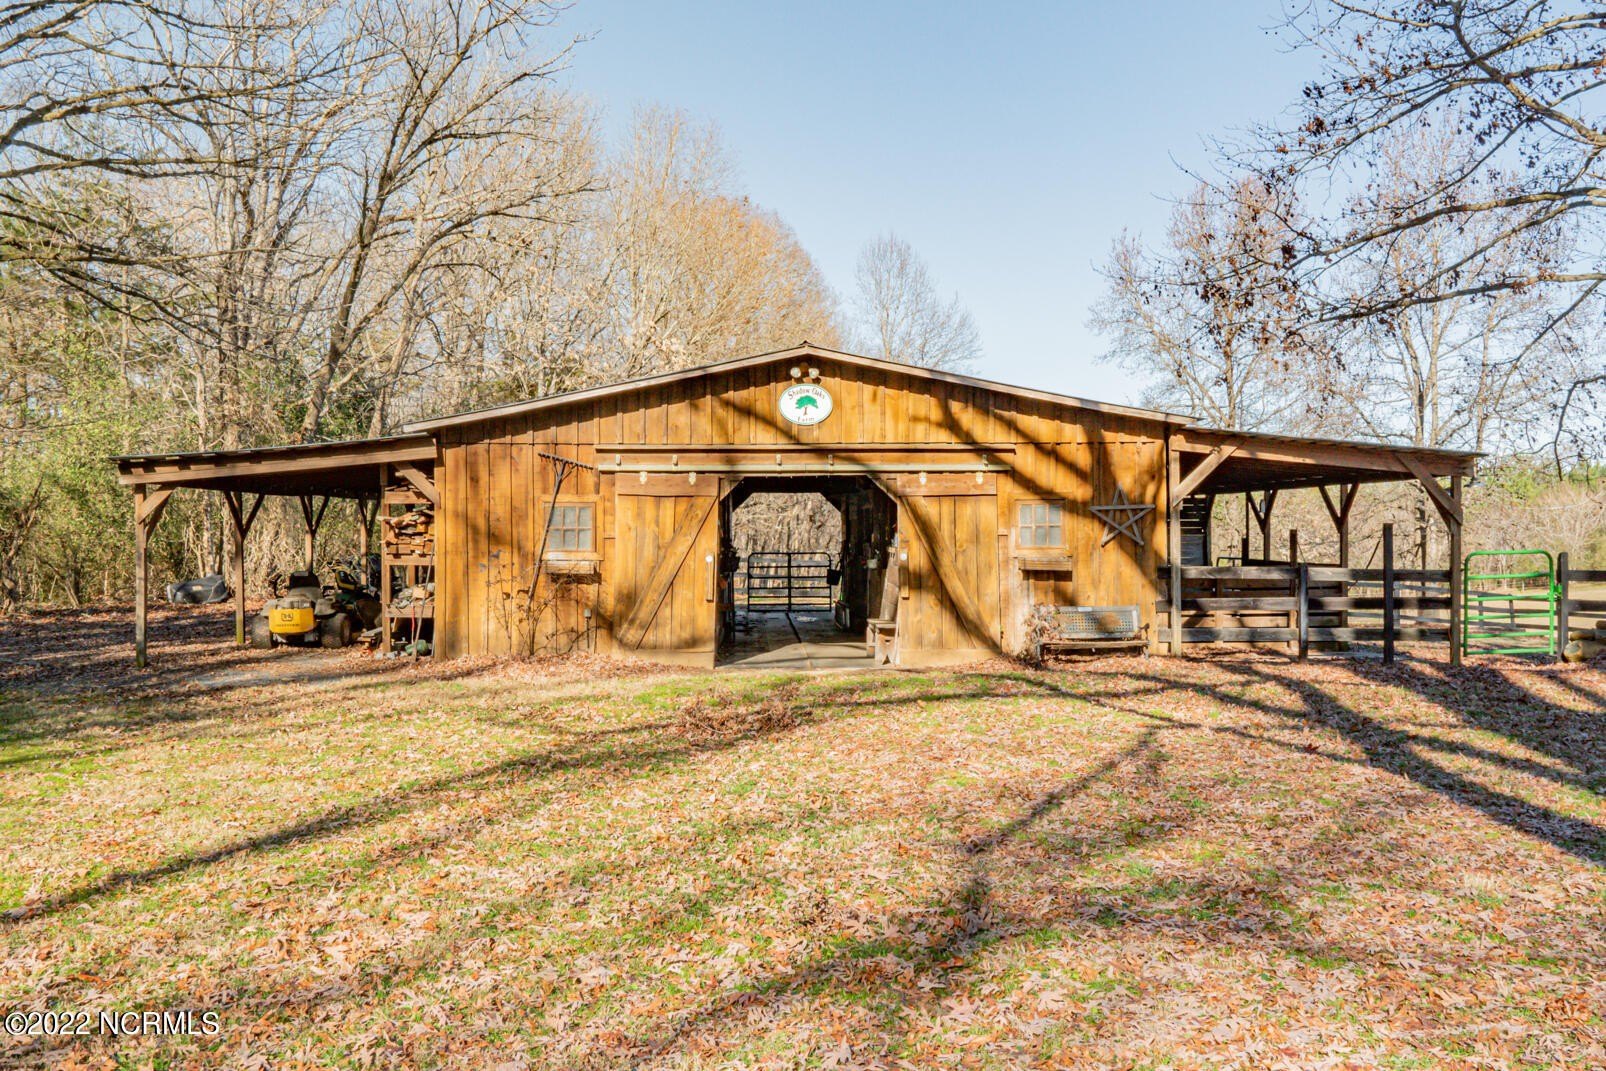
976, 517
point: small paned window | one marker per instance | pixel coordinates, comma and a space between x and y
570, 528
1042, 524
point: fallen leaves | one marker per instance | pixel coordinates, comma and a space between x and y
1222, 862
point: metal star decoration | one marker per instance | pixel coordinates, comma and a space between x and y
1122, 517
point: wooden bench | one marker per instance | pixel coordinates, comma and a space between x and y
1091, 628
879, 634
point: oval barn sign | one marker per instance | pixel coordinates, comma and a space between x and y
805, 403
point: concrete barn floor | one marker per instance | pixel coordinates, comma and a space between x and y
800, 640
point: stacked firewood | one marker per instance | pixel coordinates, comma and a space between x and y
411, 533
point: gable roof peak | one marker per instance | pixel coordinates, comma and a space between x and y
805, 347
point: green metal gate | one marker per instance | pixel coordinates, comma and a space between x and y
1526, 624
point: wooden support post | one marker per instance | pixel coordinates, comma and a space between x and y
1563, 593
141, 584
1339, 511
1297, 616
237, 579
1388, 594
314, 520
241, 520
1452, 520
149, 502
1448, 503
365, 523
1303, 607
1173, 541
386, 620
1243, 557
1268, 499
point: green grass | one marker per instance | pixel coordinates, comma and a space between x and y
576, 869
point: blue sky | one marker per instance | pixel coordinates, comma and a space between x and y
1009, 143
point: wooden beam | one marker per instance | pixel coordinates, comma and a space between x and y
1371, 457
1201, 472
424, 485
149, 504
634, 629
1449, 506
181, 471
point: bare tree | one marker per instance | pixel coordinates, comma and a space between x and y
900, 316
457, 139
1521, 83
694, 271
79, 79
1474, 370
1212, 320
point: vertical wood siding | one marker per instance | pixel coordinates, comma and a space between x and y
495, 490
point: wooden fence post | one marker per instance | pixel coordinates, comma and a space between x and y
1173, 540
1452, 521
1388, 593
1304, 612
1563, 625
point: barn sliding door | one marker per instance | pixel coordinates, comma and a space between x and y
664, 581
949, 595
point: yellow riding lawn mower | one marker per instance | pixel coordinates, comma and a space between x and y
309, 614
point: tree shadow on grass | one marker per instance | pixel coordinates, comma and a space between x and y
1398, 751
971, 921
909, 958
611, 752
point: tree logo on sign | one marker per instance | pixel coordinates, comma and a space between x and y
805, 403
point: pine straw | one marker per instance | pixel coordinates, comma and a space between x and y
1229, 862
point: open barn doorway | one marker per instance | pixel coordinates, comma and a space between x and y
806, 565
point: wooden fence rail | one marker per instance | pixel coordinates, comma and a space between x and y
1300, 604
1568, 607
